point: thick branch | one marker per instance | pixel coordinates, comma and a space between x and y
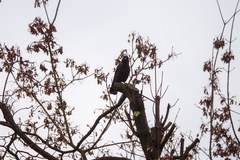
9, 118
167, 137
184, 154
137, 106
190, 147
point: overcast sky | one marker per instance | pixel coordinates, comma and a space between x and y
95, 31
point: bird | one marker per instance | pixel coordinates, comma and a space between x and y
121, 73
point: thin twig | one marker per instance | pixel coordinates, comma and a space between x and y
55, 16
228, 76
220, 11
45, 9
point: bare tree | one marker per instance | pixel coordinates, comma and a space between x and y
37, 116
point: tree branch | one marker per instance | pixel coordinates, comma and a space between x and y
190, 147
9, 118
137, 106
122, 98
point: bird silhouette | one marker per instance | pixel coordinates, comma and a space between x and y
121, 73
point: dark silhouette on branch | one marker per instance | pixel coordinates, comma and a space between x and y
121, 73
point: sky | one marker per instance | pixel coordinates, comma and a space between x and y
96, 31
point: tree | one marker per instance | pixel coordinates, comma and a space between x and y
38, 89
218, 105
38, 117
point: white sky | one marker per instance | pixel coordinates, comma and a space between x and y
96, 31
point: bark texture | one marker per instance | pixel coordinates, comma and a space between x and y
138, 109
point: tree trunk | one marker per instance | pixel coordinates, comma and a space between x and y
138, 109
